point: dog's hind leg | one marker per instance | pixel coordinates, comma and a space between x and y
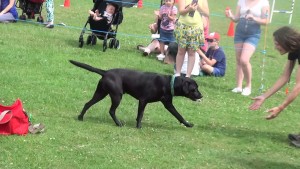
170, 107
142, 105
96, 98
115, 102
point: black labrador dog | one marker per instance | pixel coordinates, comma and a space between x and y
144, 86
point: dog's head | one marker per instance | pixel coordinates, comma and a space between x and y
187, 87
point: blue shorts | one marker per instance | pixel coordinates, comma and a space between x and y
166, 36
216, 72
247, 31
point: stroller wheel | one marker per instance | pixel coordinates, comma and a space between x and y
40, 19
111, 43
117, 44
80, 41
22, 17
89, 40
104, 45
94, 39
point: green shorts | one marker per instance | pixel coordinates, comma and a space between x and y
188, 36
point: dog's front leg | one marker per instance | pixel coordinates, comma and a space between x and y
170, 107
142, 105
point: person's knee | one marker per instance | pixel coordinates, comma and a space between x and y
206, 68
244, 62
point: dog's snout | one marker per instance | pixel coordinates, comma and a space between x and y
198, 100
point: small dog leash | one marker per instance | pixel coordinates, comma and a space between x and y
172, 84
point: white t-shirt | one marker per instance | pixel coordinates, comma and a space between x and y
255, 10
196, 68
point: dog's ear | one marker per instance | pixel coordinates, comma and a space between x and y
185, 87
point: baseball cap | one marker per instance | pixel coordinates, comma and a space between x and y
214, 35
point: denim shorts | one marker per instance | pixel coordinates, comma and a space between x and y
247, 31
166, 36
216, 72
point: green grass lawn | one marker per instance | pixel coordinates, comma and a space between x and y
35, 68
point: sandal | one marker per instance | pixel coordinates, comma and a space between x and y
36, 128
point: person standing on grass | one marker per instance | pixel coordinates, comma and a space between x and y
50, 14
167, 15
250, 14
189, 31
8, 11
286, 41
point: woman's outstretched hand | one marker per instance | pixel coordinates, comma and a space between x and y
258, 101
273, 113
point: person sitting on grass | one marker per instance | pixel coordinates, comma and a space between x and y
154, 46
213, 62
8, 11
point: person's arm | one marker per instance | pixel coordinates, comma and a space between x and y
172, 14
183, 8
236, 17
203, 9
206, 59
283, 79
293, 94
8, 7
263, 19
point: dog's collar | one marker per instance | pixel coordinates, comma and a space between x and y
172, 84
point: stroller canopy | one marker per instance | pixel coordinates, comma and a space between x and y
123, 3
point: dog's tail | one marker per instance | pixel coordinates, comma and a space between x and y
88, 67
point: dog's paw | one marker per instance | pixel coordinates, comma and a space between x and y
187, 124
120, 124
80, 118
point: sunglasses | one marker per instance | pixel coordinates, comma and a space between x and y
210, 40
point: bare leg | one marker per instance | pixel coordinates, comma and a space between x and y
239, 73
179, 59
162, 47
191, 62
247, 52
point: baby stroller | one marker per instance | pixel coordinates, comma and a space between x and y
30, 8
103, 29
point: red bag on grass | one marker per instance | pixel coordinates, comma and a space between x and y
13, 119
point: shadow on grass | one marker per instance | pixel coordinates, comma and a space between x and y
131, 123
245, 133
262, 163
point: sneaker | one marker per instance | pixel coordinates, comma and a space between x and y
237, 90
50, 26
295, 143
146, 52
294, 137
246, 91
160, 56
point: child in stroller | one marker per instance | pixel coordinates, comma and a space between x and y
107, 14
102, 17
30, 8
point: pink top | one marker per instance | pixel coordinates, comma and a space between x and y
164, 11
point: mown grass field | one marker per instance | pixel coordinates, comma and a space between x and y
35, 68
